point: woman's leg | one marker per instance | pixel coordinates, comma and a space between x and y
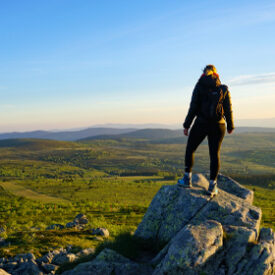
197, 134
215, 138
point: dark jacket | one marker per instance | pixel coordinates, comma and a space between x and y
199, 103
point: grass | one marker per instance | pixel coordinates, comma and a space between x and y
19, 190
113, 183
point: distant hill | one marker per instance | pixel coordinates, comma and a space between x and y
169, 135
115, 133
66, 135
151, 134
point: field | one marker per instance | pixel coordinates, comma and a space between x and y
112, 180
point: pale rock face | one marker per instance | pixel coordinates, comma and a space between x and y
3, 272
171, 209
191, 247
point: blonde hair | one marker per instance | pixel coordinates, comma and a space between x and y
209, 69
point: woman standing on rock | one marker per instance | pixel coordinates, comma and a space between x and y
211, 105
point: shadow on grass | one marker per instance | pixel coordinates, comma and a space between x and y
125, 244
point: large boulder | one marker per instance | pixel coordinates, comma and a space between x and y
191, 247
171, 209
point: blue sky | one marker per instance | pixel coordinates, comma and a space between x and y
67, 64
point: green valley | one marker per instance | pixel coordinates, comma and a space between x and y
111, 179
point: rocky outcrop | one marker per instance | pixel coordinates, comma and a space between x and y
199, 235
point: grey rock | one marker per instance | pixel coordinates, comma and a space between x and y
62, 258
171, 209
231, 210
110, 262
85, 252
81, 219
191, 247
47, 258
3, 272
26, 256
2, 230
10, 266
55, 226
260, 259
49, 267
101, 231
2, 260
71, 225
233, 187
27, 268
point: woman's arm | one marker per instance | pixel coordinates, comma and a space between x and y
193, 108
227, 106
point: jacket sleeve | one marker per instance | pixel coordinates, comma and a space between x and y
227, 106
193, 108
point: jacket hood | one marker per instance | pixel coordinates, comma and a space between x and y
210, 81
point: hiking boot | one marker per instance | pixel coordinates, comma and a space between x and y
212, 189
185, 182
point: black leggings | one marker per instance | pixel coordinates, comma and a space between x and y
215, 133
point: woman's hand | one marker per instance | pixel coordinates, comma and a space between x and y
230, 131
185, 131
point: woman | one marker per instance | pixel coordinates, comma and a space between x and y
211, 105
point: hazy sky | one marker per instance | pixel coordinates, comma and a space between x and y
66, 64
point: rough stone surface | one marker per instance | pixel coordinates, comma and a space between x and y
109, 262
3, 272
26, 256
191, 247
71, 225
171, 209
62, 258
260, 258
47, 258
231, 186
85, 252
49, 267
27, 268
